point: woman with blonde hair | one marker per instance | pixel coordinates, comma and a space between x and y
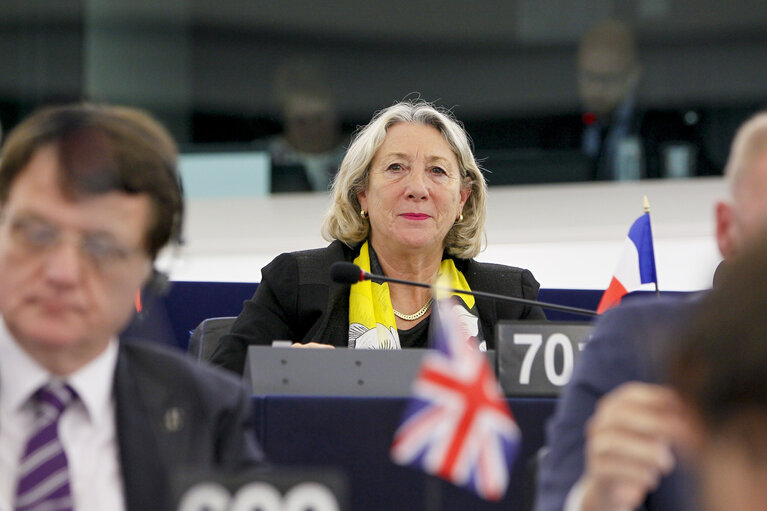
409, 203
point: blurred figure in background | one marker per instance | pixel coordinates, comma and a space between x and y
308, 153
624, 140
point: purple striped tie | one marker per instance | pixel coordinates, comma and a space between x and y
43, 472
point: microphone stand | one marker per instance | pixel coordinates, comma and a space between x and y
563, 308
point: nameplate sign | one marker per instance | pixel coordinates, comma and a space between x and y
264, 489
537, 358
333, 372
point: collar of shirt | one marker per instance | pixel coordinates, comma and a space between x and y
21, 376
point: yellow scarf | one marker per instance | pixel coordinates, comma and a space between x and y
371, 315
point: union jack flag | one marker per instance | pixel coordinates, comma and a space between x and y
457, 425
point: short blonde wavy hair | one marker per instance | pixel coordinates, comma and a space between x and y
343, 221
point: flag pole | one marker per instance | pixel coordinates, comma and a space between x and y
433, 493
646, 206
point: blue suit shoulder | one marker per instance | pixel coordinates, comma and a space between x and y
634, 334
628, 344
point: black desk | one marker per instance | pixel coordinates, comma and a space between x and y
356, 433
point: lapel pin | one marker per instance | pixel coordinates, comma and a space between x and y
174, 419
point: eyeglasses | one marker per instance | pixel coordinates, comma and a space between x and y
100, 250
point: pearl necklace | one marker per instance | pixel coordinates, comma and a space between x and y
417, 314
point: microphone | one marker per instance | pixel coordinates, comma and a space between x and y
346, 273
349, 273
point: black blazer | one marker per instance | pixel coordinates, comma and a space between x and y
297, 301
173, 414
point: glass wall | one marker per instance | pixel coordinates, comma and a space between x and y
548, 90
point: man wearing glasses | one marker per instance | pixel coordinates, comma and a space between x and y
624, 140
88, 197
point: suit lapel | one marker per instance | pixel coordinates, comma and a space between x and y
154, 428
144, 476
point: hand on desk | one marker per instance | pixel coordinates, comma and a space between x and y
311, 345
629, 443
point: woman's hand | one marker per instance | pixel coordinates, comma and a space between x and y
311, 345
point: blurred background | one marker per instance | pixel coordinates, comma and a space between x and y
264, 95
237, 74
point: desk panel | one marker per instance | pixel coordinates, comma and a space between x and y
355, 434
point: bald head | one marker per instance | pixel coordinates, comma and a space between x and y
743, 217
748, 146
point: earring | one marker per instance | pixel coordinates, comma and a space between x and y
363, 213
460, 217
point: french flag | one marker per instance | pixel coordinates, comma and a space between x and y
636, 265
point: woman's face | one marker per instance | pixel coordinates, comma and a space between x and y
415, 191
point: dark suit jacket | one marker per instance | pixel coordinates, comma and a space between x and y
297, 301
655, 129
174, 414
629, 343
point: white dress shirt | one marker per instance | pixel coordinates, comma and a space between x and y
86, 428
574, 501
